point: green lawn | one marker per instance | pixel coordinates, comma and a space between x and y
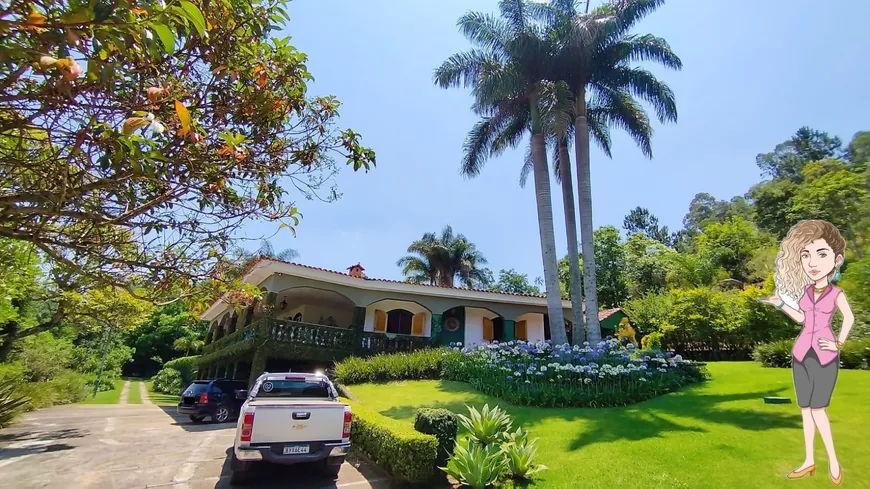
716, 435
133, 395
105, 397
160, 399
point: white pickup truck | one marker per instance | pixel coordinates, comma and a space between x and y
291, 418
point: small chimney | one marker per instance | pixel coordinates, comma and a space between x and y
356, 271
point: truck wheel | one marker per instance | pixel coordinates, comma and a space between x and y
241, 471
196, 419
331, 466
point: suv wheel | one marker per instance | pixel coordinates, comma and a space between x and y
221, 414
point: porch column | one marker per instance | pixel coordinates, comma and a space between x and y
358, 325
508, 330
435, 332
258, 364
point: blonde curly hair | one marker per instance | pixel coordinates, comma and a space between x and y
789, 276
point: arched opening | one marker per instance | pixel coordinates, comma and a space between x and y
315, 306
482, 326
530, 327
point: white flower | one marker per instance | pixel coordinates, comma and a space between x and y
587, 380
157, 127
162, 4
148, 35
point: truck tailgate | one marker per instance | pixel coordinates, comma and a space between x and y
289, 421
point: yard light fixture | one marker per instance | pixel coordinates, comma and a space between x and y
284, 304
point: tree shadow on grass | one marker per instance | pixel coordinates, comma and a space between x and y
695, 410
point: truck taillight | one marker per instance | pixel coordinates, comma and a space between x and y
348, 416
203, 398
247, 426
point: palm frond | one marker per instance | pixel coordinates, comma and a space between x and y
515, 13
486, 31
644, 85
599, 130
619, 109
528, 166
630, 12
463, 69
641, 48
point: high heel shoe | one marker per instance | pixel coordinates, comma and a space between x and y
811, 470
839, 478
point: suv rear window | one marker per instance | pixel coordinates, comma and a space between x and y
293, 388
196, 388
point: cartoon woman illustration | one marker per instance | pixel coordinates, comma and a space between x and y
808, 261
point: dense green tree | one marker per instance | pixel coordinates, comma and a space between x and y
594, 59
859, 149
705, 209
443, 259
772, 205
640, 220
731, 244
513, 282
610, 260
511, 65
647, 264
154, 340
137, 137
788, 158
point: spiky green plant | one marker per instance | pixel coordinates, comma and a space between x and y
475, 465
10, 402
520, 436
487, 426
520, 457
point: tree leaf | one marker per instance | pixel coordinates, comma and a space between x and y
183, 116
193, 14
167, 37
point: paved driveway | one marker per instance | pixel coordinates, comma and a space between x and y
137, 446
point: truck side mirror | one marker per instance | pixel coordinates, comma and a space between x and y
241, 394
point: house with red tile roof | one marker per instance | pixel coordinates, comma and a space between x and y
310, 313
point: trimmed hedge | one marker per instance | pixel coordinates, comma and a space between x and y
186, 366
416, 365
394, 445
443, 425
855, 354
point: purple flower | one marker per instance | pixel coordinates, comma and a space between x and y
649, 374
510, 377
583, 360
646, 358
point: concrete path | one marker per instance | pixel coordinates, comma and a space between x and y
125, 391
138, 446
143, 393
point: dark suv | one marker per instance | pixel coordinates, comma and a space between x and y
215, 399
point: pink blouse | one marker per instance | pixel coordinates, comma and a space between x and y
817, 324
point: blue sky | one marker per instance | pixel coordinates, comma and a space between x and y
751, 77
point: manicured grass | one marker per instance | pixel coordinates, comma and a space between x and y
105, 397
159, 398
719, 434
133, 395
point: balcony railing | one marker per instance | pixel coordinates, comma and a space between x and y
339, 341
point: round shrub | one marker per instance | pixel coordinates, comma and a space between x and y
775, 354
442, 424
167, 381
854, 353
652, 341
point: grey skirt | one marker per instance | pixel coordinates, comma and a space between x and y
813, 382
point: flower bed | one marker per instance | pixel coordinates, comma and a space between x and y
543, 374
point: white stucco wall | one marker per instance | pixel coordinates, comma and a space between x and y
389, 305
474, 325
534, 326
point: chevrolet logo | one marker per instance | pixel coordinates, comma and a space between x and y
298, 426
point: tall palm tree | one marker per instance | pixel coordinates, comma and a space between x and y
440, 260
595, 59
507, 67
562, 168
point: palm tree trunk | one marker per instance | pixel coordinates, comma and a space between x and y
577, 332
584, 187
548, 238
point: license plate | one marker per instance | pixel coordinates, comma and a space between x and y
294, 449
